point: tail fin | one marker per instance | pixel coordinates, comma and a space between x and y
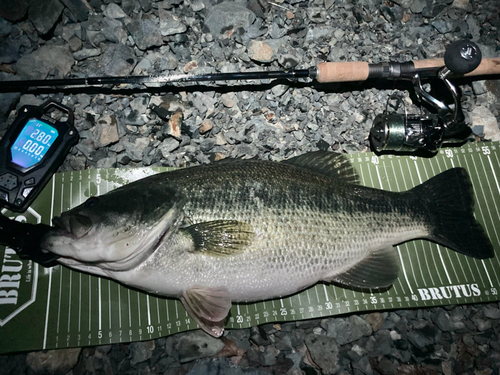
451, 203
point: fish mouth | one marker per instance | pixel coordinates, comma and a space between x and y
75, 225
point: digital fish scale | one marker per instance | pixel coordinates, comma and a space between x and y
32, 149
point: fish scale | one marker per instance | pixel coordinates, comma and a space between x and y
249, 230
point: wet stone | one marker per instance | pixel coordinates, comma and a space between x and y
422, 338
196, 345
53, 361
227, 17
114, 11
139, 352
46, 59
44, 14
492, 312
145, 33
170, 24
324, 352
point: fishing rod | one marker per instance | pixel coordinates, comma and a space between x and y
391, 131
325, 72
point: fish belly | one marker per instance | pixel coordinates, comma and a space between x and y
290, 252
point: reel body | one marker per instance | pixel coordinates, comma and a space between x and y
392, 131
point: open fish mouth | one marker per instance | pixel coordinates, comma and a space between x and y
76, 226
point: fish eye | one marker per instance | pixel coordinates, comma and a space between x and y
92, 201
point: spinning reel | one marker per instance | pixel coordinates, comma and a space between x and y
393, 131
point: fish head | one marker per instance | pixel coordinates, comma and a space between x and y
117, 230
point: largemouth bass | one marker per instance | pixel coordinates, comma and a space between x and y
248, 230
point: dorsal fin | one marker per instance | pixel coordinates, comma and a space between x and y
330, 164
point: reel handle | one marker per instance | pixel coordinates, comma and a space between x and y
462, 56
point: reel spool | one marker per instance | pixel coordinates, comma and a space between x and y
392, 131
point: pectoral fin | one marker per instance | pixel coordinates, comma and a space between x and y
220, 237
378, 270
208, 307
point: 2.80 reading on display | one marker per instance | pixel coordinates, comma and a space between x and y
32, 143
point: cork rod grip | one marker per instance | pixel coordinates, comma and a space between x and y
342, 71
359, 70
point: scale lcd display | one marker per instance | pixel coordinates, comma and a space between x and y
33, 143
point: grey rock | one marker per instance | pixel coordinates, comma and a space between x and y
481, 323
29, 99
38, 64
479, 87
492, 312
129, 6
168, 61
114, 11
9, 51
324, 351
204, 103
7, 101
78, 8
391, 15
135, 149
5, 27
117, 60
241, 337
478, 130
225, 18
145, 33
207, 144
13, 10
387, 367
53, 361
139, 352
339, 329
168, 145
443, 26
109, 162
196, 345
424, 337
269, 356
259, 336
383, 343
112, 30
232, 137
140, 104
145, 5
434, 10
363, 365
442, 320
106, 131
86, 53
290, 59
482, 116
170, 24
132, 117
419, 5
404, 3
359, 328
44, 14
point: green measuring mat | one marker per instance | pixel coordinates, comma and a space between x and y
56, 308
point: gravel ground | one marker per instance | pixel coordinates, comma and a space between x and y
187, 124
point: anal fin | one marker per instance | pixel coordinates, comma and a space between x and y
378, 270
208, 307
